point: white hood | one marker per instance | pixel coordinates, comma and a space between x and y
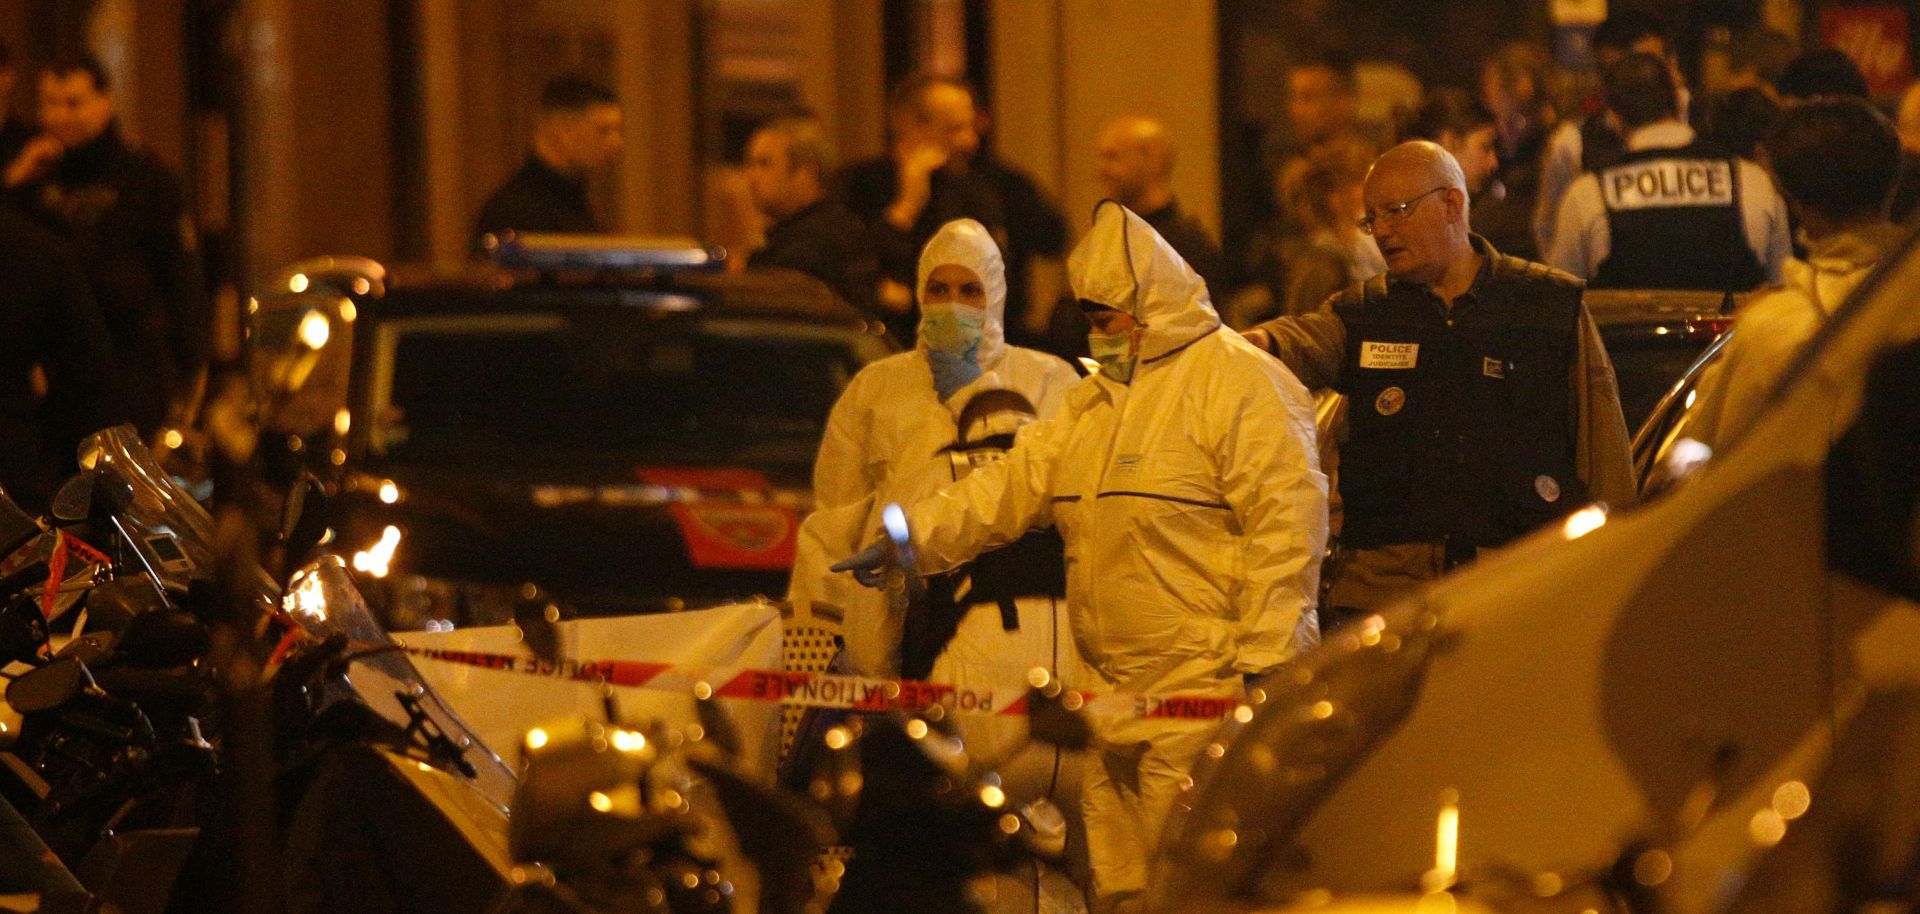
966, 243
1124, 264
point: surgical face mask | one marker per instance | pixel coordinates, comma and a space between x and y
1115, 353
951, 328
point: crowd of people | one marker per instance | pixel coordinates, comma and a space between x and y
1556, 167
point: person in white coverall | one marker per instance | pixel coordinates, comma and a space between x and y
888, 439
1184, 480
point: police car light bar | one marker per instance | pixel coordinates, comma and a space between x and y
554, 251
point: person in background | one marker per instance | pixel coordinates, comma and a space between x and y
935, 171
1323, 191
888, 436
1514, 87
1672, 213
1828, 73
1322, 101
123, 212
1465, 128
1481, 402
1836, 160
788, 163
1821, 73
579, 132
1595, 142
1136, 158
50, 329
1757, 59
15, 131
1323, 96
1739, 120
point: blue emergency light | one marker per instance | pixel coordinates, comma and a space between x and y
555, 251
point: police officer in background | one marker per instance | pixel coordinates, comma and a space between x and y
788, 164
579, 132
1594, 142
1481, 402
1673, 213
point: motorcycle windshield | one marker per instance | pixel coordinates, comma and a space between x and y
1312, 721
323, 599
172, 531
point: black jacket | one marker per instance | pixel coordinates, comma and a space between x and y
48, 320
829, 243
1023, 222
125, 215
536, 199
1191, 241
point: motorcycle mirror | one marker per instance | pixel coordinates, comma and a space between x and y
112, 495
48, 687
23, 632
304, 519
74, 499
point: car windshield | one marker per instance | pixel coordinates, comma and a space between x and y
651, 387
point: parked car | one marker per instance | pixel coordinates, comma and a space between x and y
610, 429
1653, 336
1618, 713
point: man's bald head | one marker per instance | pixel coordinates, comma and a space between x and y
1421, 161
1416, 200
1136, 162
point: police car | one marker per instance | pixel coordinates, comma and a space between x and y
615, 427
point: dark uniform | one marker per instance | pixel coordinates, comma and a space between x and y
536, 199
122, 210
1191, 241
829, 243
49, 320
1004, 200
1466, 427
1674, 219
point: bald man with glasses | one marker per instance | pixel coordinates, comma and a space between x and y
1480, 401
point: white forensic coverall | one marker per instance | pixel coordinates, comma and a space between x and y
1194, 513
884, 443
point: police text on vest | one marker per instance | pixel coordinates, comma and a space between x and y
1388, 355
1665, 183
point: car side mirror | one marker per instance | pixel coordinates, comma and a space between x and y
1873, 480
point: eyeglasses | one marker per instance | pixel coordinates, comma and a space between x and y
1395, 212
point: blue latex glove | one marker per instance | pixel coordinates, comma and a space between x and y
952, 370
869, 565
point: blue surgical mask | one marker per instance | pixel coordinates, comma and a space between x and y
1115, 353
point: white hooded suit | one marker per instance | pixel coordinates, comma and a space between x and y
1194, 513
885, 443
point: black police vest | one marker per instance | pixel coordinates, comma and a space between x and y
1461, 425
1674, 220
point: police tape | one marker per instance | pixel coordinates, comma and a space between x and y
840, 690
